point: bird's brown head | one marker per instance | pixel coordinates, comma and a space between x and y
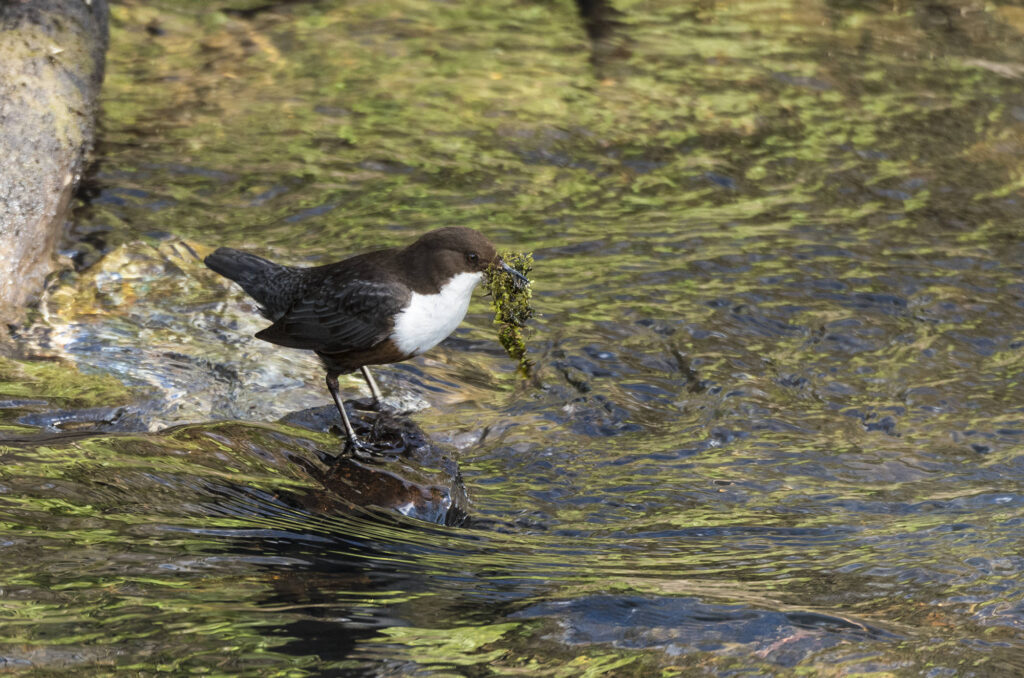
450, 251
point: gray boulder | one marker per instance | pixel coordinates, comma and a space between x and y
51, 67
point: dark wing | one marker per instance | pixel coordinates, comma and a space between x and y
339, 314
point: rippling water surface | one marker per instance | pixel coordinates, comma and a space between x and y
777, 419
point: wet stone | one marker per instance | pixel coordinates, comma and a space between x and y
401, 469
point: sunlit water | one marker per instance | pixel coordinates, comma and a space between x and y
777, 420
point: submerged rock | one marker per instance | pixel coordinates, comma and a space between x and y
406, 472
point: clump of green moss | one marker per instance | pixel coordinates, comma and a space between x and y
511, 298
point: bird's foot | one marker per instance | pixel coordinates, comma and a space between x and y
357, 449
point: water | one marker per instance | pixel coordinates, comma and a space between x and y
777, 420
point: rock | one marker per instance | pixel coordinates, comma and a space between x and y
51, 67
407, 473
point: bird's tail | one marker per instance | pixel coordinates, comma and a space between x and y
263, 280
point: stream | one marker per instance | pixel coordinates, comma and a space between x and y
776, 419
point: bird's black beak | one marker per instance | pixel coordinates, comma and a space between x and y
520, 279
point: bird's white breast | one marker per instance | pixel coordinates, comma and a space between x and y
429, 318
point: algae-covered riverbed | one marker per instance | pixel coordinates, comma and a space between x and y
775, 423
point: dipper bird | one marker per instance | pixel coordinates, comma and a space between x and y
375, 308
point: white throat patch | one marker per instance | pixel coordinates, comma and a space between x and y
429, 318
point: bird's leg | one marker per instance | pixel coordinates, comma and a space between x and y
374, 389
332, 386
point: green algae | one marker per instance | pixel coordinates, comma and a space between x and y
60, 383
513, 307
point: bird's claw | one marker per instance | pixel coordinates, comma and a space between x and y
357, 449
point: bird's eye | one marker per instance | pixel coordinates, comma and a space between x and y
473, 258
